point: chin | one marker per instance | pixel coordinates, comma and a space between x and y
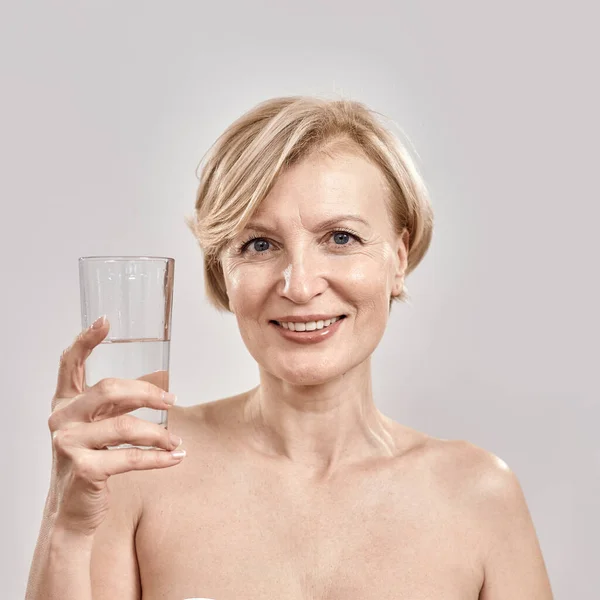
309, 377
308, 372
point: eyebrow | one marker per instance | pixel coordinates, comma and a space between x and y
320, 227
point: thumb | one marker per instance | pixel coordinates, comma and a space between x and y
71, 370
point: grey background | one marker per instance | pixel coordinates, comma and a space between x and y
107, 107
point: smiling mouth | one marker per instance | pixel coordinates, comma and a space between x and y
310, 325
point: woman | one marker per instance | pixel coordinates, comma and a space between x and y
310, 215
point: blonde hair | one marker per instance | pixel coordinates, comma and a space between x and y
243, 164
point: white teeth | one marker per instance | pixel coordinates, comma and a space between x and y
310, 325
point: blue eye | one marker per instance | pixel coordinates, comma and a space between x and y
260, 245
341, 237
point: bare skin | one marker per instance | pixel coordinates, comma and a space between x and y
301, 488
230, 522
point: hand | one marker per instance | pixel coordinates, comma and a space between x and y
84, 420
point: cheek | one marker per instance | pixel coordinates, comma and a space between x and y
358, 275
368, 278
245, 288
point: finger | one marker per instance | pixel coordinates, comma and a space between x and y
124, 429
71, 370
99, 465
129, 459
110, 398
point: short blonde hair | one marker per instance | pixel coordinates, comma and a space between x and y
243, 164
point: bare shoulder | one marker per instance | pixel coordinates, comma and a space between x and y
491, 498
478, 482
206, 428
474, 473
214, 416
485, 480
465, 462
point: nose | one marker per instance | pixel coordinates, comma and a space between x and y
303, 278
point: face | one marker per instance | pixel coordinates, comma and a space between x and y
321, 245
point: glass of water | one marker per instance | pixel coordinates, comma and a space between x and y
136, 295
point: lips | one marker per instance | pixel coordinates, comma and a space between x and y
311, 336
306, 320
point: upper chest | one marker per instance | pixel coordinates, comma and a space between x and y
229, 530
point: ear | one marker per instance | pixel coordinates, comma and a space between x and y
401, 261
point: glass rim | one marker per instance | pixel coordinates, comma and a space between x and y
126, 258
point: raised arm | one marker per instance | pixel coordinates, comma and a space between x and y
85, 548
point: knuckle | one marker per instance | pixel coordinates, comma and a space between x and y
158, 458
135, 456
58, 440
107, 387
83, 467
53, 424
124, 425
61, 441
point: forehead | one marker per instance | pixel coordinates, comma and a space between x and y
321, 185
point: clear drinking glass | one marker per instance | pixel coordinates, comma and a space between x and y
136, 295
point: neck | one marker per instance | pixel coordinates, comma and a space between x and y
319, 427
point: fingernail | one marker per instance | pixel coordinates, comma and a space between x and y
98, 322
175, 440
169, 398
178, 453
